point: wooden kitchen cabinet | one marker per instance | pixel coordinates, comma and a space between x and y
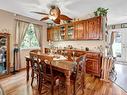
56, 33
49, 35
90, 29
78, 30
85, 30
62, 32
70, 31
93, 64
94, 28
92, 67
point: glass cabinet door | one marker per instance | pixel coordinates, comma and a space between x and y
4, 54
56, 34
70, 32
62, 32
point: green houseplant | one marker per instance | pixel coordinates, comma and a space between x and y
101, 11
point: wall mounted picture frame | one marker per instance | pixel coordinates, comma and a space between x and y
124, 25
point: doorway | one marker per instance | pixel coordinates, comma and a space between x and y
120, 45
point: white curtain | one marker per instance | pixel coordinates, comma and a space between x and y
111, 43
38, 33
21, 28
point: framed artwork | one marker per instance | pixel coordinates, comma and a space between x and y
113, 26
124, 25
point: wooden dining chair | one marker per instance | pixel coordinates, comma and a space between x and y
35, 67
72, 55
47, 75
77, 77
78, 74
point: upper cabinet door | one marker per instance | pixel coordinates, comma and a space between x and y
94, 28
79, 32
85, 29
56, 34
70, 31
49, 35
62, 32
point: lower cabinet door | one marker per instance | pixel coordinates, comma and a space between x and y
92, 67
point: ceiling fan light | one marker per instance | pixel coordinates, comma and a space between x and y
52, 17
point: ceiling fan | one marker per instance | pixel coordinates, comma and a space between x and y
54, 14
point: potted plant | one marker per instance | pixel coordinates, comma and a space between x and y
101, 12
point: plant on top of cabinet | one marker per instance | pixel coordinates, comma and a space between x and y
101, 12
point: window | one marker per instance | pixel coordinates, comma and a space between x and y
118, 37
30, 40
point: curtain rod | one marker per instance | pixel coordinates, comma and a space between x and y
27, 22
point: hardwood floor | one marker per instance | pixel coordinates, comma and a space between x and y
17, 85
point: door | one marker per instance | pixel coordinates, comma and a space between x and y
120, 45
124, 45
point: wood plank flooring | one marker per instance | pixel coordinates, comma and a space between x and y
17, 85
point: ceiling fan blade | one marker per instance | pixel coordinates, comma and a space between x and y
57, 21
64, 17
45, 18
41, 13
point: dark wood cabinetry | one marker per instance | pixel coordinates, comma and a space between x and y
79, 31
94, 28
93, 63
90, 29
62, 33
55, 33
85, 29
49, 35
70, 31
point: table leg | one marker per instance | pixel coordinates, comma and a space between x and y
27, 68
83, 83
68, 84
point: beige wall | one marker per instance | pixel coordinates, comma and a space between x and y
7, 21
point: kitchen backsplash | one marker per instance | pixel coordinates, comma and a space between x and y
92, 45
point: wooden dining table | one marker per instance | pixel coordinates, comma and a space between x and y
59, 64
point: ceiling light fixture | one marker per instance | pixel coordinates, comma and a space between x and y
52, 17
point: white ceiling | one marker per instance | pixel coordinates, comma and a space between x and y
73, 8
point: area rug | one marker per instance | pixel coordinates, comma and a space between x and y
121, 77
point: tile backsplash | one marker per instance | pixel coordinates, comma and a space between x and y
92, 45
